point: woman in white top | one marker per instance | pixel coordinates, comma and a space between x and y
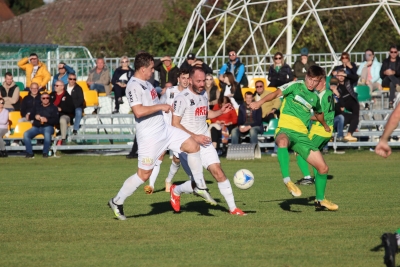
3, 128
231, 89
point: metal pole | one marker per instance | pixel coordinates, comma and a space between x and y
289, 32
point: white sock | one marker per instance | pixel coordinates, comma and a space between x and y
286, 180
186, 187
127, 189
154, 174
226, 190
173, 169
307, 177
194, 162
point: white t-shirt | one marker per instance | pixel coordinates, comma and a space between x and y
227, 93
142, 92
168, 98
69, 89
193, 109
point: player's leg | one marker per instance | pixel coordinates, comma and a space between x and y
173, 169
148, 189
391, 243
192, 148
303, 165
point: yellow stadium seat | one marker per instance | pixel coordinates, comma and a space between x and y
254, 80
91, 98
385, 88
84, 85
102, 94
216, 81
245, 89
20, 129
271, 89
13, 118
22, 94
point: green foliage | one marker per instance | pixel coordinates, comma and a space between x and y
19, 7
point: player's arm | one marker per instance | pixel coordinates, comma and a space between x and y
269, 97
383, 149
141, 111
320, 117
199, 138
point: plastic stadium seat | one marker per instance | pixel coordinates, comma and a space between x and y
216, 81
271, 89
254, 80
22, 94
363, 93
84, 85
13, 118
20, 86
271, 127
20, 129
328, 80
91, 98
245, 89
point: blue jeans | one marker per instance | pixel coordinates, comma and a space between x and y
78, 117
254, 132
338, 124
47, 131
98, 87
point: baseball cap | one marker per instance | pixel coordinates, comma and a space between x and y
304, 51
191, 56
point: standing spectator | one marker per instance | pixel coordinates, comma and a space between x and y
338, 121
9, 91
390, 73
30, 102
43, 123
212, 90
63, 71
270, 109
249, 121
36, 71
346, 91
302, 65
191, 61
279, 72
168, 71
350, 68
369, 71
76, 92
99, 78
119, 80
3, 128
66, 109
231, 89
235, 67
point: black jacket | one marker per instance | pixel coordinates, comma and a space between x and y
166, 76
50, 113
29, 104
3, 93
77, 96
386, 65
284, 75
351, 73
117, 75
66, 104
237, 95
185, 66
349, 87
257, 116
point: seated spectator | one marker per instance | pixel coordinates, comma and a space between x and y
222, 125
270, 109
231, 89
9, 91
301, 66
36, 71
279, 72
119, 80
66, 109
338, 121
369, 71
99, 78
3, 128
249, 122
168, 71
63, 71
390, 73
76, 92
43, 123
191, 61
30, 102
350, 102
350, 69
212, 91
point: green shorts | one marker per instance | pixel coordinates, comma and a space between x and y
319, 141
298, 142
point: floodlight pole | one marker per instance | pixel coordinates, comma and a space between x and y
289, 32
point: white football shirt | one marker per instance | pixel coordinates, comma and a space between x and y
168, 98
142, 92
193, 109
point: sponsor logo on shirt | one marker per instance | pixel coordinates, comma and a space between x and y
201, 111
153, 93
171, 95
130, 96
192, 102
302, 101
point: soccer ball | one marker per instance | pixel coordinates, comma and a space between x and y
243, 179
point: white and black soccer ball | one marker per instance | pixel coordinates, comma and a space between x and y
243, 179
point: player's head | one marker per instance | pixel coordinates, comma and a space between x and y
314, 76
197, 79
144, 66
321, 86
183, 78
340, 75
248, 98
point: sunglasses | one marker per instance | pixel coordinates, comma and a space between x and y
44, 98
260, 86
72, 79
232, 55
393, 52
124, 61
344, 58
277, 58
57, 85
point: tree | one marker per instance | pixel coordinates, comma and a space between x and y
19, 7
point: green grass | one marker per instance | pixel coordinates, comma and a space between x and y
54, 213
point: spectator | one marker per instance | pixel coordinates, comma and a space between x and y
36, 71
390, 73
63, 71
338, 121
9, 91
99, 78
249, 121
346, 91
235, 67
46, 116
350, 68
231, 89
302, 65
30, 102
168, 71
279, 72
119, 80
76, 92
369, 71
66, 109
270, 109
3, 127
222, 125
212, 91
191, 61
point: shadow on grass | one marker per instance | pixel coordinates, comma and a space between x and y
286, 204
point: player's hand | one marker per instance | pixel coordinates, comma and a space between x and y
202, 139
255, 105
166, 108
383, 149
226, 108
327, 129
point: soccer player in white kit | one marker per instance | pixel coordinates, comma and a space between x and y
191, 111
168, 98
153, 135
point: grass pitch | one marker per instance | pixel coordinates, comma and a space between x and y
54, 213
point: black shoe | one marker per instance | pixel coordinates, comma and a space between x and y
74, 132
366, 106
132, 156
390, 105
115, 111
94, 112
120, 101
389, 242
305, 181
3, 154
45, 155
30, 156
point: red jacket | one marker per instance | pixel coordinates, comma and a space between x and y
231, 116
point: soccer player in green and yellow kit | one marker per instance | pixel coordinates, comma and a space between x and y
292, 131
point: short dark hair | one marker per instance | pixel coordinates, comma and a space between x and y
143, 60
183, 71
249, 93
393, 46
369, 49
33, 54
316, 71
8, 74
193, 70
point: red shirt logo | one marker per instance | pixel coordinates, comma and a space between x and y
201, 111
153, 93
